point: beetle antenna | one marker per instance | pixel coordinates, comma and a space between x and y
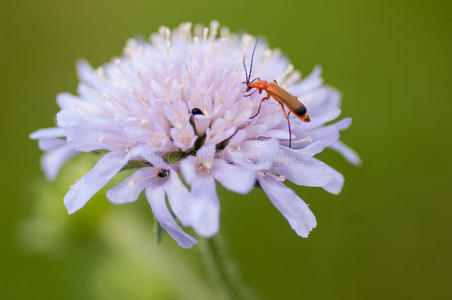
246, 72
252, 58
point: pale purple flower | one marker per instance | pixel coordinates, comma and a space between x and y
176, 105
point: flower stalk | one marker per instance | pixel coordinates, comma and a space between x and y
221, 269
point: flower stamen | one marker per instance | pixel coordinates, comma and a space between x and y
279, 178
104, 140
204, 166
118, 65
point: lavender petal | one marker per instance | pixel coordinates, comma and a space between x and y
348, 153
292, 207
51, 162
234, 178
308, 171
156, 198
178, 197
94, 180
205, 206
130, 188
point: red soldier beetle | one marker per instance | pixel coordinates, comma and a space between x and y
278, 93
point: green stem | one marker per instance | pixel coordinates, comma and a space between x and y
221, 270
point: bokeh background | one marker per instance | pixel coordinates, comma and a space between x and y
386, 236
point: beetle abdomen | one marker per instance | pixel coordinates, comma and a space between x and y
300, 110
289, 100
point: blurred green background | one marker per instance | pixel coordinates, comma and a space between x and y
386, 236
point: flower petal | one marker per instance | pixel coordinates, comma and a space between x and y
74, 103
51, 162
315, 120
202, 123
204, 206
87, 74
308, 171
149, 154
187, 167
343, 124
156, 198
327, 134
48, 133
66, 118
292, 207
95, 134
321, 101
311, 82
50, 144
334, 186
178, 197
183, 137
254, 155
206, 153
348, 153
310, 150
94, 180
233, 177
130, 188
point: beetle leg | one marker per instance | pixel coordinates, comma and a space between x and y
260, 104
288, 124
247, 95
290, 130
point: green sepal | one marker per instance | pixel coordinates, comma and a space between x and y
159, 232
136, 164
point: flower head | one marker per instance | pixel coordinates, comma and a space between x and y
176, 105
